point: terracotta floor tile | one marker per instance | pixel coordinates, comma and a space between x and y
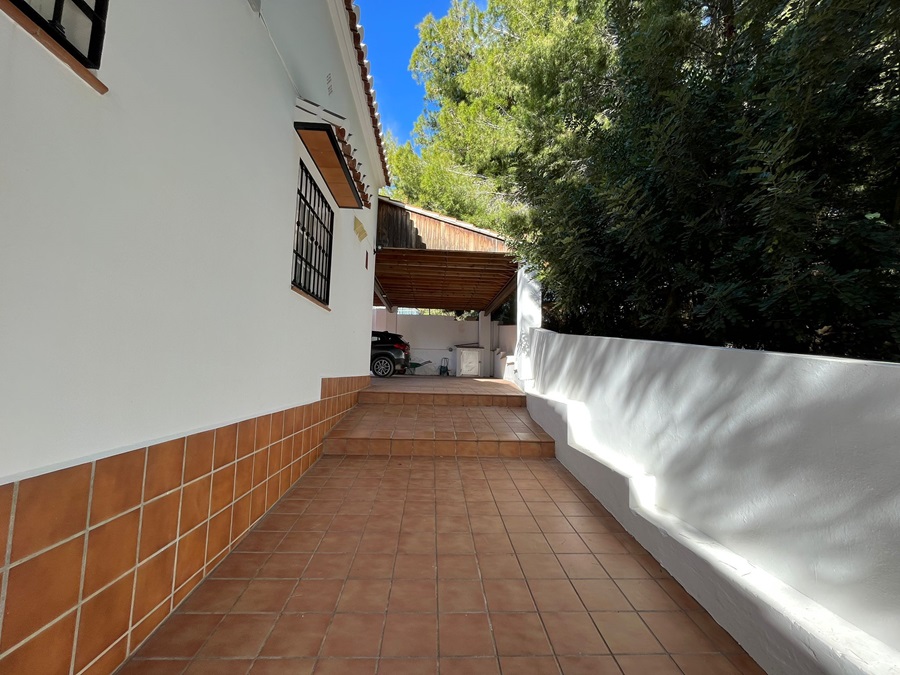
582, 566
239, 636
495, 542
410, 635
413, 595
622, 566
681, 597
296, 635
265, 595
139, 667
626, 633
460, 595
601, 595
413, 666
678, 633
219, 667
181, 636
300, 542
603, 543
541, 566
648, 665
328, 566
465, 635
528, 665
524, 543
283, 667
346, 667
415, 566
354, 635
284, 566
573, 633
240, 565
459, 543
563, 543
315, 595
705, 664
589, 665
554, 524
364, 595
500, 566
508, 595
555, 595
519, 634
214, 596
521, 523
719, 636
417, 542
372, 566
469, 666
646, 595
457, 567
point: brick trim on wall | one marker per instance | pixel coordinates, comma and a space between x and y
96, 556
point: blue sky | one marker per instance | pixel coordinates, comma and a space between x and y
391, 35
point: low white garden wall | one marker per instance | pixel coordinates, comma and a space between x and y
767, 483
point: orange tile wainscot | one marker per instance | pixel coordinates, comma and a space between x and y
100, 553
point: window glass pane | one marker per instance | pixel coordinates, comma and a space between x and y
77, 26
43, 7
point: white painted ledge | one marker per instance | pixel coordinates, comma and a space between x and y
785, 631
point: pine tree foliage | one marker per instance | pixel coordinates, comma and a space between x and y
715, 172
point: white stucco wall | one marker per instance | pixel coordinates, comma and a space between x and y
430, 337
789, 462
146, 239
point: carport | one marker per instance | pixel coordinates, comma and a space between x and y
426, 260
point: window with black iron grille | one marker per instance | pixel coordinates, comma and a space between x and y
312, 239
77, 25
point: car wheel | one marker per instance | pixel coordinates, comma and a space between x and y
382, 366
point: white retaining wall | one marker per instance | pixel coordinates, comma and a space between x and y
766, 483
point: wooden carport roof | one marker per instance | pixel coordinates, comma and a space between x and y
454, 280
429, 261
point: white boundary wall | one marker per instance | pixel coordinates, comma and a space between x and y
146, 235
766, 483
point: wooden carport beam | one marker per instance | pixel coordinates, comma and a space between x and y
502, 295
379, 291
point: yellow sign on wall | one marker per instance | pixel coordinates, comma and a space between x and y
359, 228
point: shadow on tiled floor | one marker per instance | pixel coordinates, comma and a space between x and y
410, 565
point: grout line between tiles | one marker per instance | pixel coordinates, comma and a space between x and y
8, 554
84, 552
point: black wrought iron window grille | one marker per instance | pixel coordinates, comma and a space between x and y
313, 235
77, 25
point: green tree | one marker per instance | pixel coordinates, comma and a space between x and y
722, 173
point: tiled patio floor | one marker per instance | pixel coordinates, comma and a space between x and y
432, 565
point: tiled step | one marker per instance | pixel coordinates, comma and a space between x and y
504, 400
439, 431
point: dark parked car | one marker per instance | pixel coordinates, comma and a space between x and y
390, 354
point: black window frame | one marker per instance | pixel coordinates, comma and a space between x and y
55, 29
313, 239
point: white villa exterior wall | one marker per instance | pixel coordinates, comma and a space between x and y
146, 235
765, 482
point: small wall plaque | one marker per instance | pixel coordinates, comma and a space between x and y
359, 228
